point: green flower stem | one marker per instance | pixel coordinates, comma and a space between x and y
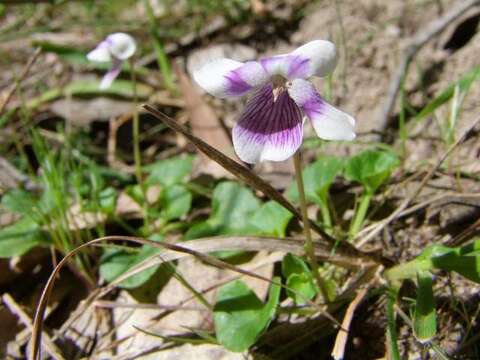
309, 250
326, 217
136, 141
392, 345
360, 214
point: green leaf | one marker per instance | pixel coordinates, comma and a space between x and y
424, 320
422, 262
233, 205
19, 201
466, 265
463, 83
239, 315
271, 219
299, 279
303, 287
108, 200
115, 262
293, 264
371, 168
169, 172
136, 193
71, 54
317, 179
120, 88
176, 201
18, 238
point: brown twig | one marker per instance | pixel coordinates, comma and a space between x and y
338, 351
15, 309
424, 35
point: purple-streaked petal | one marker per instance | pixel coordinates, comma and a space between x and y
121, 45
251, 73
225, 78
100, 53
212, 77
111, 74
329, 122
268, 129
276, 65
287, 66
318, 56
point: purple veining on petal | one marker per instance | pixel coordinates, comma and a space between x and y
271, 62
313, 106
268, 129
236, 85
298, 67
289, 66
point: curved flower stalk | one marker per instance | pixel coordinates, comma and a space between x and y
116, 48
271, 126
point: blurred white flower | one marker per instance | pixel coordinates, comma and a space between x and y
116, 48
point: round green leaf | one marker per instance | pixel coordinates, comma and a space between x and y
170, 172
116, 262
371, 168
271, 219
239, 315
176, 201
232, 208
317, 179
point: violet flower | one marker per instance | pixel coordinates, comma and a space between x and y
116, 48
271, 125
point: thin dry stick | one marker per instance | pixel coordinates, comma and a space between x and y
338, 351
114, 305
42, 305
253, 180
25, 72
238, 243
422, 36
419, 188
15, 309
309, 249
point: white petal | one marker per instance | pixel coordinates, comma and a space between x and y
100, 53
329, 122
253, 73
321, 55
333, 124
121, 45
277, 65
212, 77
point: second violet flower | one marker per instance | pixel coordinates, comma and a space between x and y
115, 48
271, 125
